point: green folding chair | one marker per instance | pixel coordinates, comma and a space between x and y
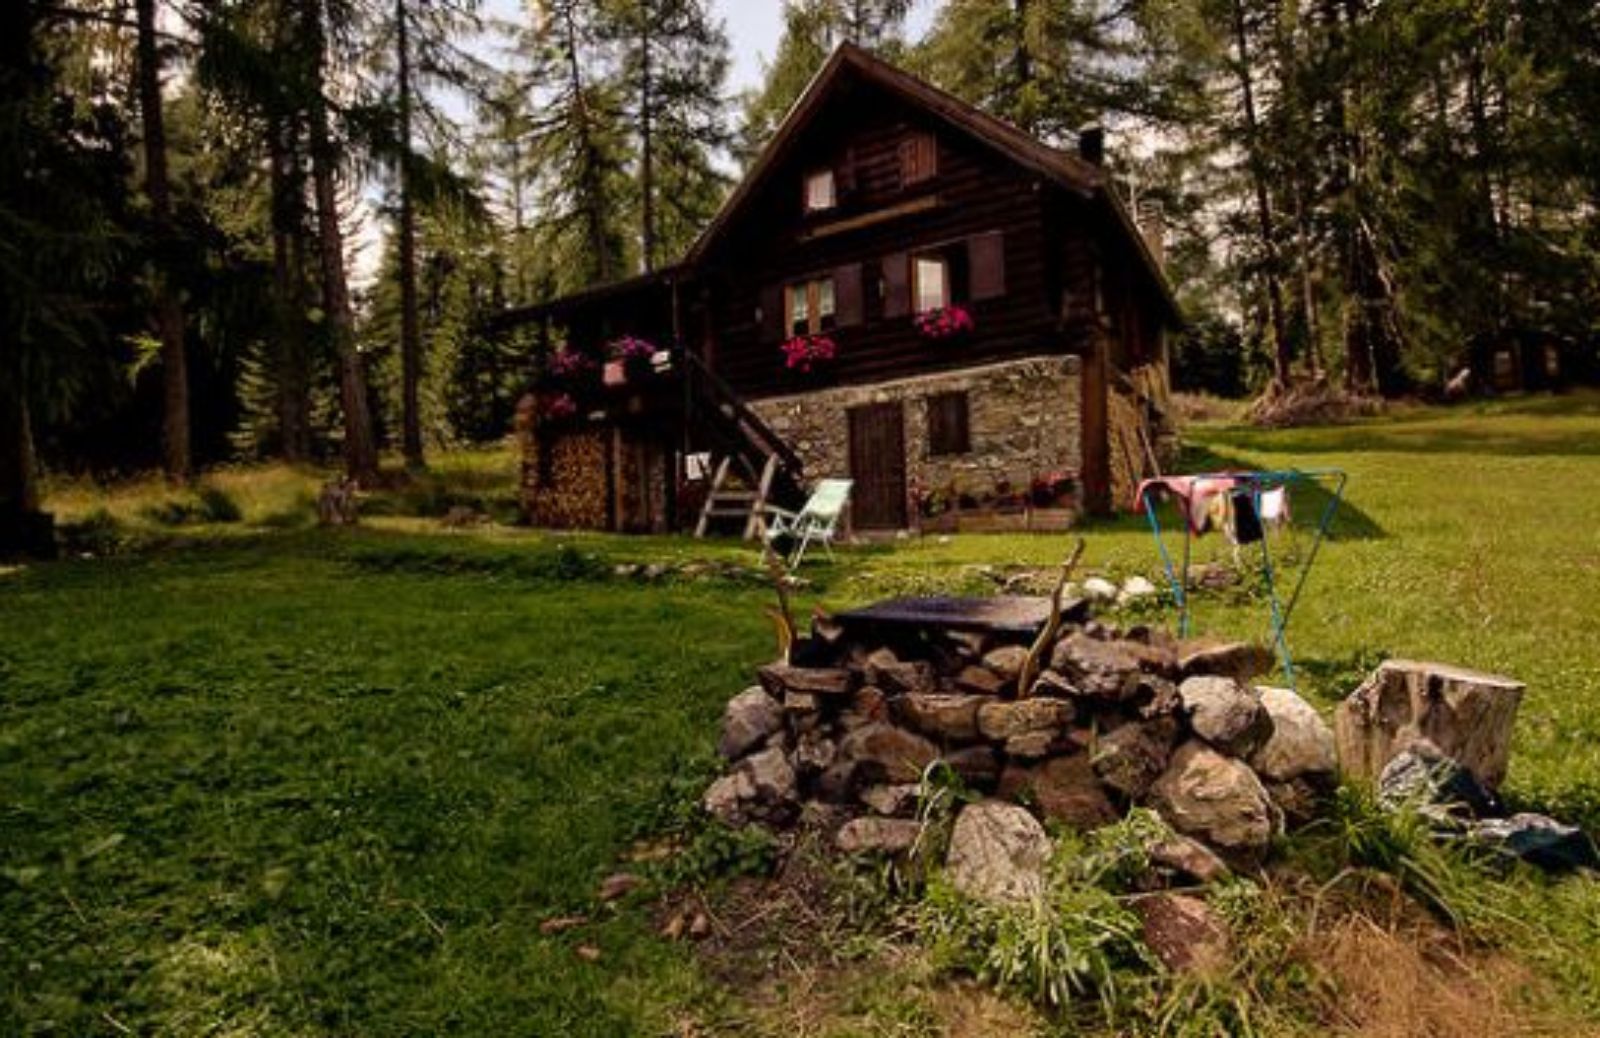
816, 523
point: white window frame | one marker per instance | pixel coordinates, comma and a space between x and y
928, 294
821, 193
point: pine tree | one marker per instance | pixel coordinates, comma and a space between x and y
169, 319
426, 53
360, 446
579, 144
59, 187
811, 30
673, 64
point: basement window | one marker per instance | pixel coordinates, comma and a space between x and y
809, 306
948, 428
820, 193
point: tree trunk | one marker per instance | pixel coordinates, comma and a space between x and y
647, 173
19, 488
410, 324
1469, 716
24, 529
288, 289
1264, 219
360, 452
1372, 339
175, 450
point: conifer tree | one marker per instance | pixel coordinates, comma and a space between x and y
673, 62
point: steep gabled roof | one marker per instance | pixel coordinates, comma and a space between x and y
1070, 171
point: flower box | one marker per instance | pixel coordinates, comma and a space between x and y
945, 323
806, 354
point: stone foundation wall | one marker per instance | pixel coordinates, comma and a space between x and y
1024, 421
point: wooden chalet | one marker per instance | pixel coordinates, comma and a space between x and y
904, 291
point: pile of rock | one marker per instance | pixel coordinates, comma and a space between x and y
1113, 719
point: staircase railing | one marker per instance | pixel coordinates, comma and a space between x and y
707, 389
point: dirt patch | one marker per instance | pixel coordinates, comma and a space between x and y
1413, 983
809, 953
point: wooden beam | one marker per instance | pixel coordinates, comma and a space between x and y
894, 212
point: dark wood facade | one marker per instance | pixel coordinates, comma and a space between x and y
877, 189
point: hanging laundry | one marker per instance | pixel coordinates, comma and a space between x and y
1245, 527
1202, 499
1275, 507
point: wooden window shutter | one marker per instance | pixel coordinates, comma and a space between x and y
919, 158
896, 285
986, 265
772, 313
949, 430
845, 173
848, 306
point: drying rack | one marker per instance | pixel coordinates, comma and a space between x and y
1254, 484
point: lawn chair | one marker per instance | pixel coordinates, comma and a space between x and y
816, 523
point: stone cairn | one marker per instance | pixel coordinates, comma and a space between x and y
1114, 719
847, 731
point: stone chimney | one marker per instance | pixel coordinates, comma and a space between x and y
1152, 220
1092, 144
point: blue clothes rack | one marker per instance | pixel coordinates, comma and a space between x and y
1256, 483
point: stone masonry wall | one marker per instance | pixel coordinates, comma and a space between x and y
1024, 419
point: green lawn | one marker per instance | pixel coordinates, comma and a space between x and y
258, 780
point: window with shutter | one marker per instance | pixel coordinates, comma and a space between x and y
810, 306
948, 430
930, 276
940, 277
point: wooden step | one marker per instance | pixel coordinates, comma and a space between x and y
721, 503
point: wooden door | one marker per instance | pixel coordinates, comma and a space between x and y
878, 466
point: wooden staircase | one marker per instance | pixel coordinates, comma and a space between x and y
723, 502
754, 466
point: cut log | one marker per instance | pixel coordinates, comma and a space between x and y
1467, 715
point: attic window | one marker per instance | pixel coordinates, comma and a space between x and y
820, 192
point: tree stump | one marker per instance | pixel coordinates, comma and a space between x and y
336, 506
1466, 714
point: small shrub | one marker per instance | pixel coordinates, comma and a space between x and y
216, 506
99, 533
300, 513
171, 512
1442, 874
1071, 944
716, 852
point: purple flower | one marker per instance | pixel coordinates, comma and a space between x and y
560, 406
631, 347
